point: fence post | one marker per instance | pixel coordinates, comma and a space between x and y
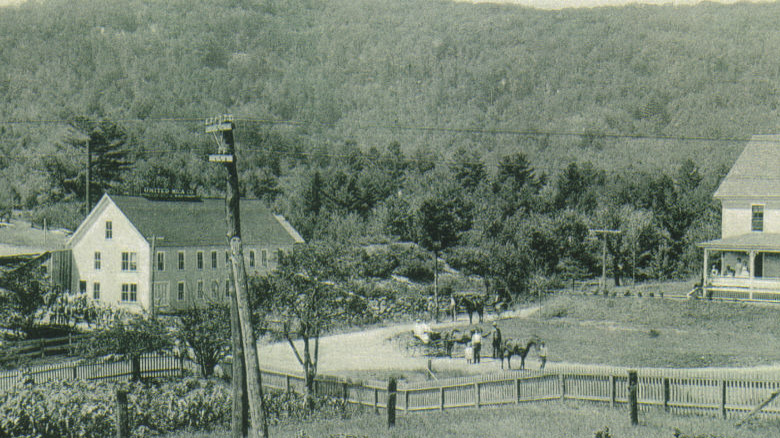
287, 383
344, 397
612, 391
406, 401
517, 391
121, 414
75, 372
376, 399
392, 387
723, 398
633, 382
666, 394
441, 396
562, 385
476, 394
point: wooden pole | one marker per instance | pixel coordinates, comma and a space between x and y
666, 394
232, 207
239, 422
723, 398
88, 178
251, 364
392, 388
633, 383
122, 430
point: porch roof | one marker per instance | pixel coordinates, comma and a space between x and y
747, 242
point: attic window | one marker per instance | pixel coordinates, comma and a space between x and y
109, 230
757, 222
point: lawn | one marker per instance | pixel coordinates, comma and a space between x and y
554, 420
652, 332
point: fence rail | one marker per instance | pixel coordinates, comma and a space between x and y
45, 347
151, 366
713, 392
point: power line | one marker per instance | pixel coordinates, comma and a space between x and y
398, 127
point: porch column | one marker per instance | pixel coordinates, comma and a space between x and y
752, 265
705, 277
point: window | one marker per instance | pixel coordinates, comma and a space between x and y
214, 290
160, 261
180, 291
200, 260
96, 290
227, 287
757, 223
129, 292
264, 257
129, 261
83, 286
252, 258
181, 260
213, 260
97, 260
200, 289
109, 230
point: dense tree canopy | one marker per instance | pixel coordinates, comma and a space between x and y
351, 116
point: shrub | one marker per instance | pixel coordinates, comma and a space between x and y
86, 409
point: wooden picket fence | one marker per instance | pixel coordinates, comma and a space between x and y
713, 392
65, 345
151, 366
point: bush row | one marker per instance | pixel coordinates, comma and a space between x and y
86, 409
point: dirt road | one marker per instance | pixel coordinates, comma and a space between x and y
373, 350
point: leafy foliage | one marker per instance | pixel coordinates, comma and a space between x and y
132, 338
206, 331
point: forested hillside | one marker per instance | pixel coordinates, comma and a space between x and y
356, 115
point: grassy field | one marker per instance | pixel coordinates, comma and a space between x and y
554, 420
652, 332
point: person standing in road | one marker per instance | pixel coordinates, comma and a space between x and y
476, 342
496, 341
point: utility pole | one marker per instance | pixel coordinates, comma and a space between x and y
89, 176
226, 154
153, 257
603, 283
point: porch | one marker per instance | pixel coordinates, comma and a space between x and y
745, 267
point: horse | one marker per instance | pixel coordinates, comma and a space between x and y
470, 303
511, 347
451, 337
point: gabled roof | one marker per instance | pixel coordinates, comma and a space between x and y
756, 173
202, 222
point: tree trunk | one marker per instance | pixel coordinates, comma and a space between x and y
436, 285
308, 373
135, 365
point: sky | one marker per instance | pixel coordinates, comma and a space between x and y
550, 4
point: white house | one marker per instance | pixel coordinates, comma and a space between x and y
745, 262
129, 243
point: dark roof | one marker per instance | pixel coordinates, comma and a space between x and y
756, 173
745, 242
202, 222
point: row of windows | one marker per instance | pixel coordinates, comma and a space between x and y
200, 291
129, 291
129, 261
200, 263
